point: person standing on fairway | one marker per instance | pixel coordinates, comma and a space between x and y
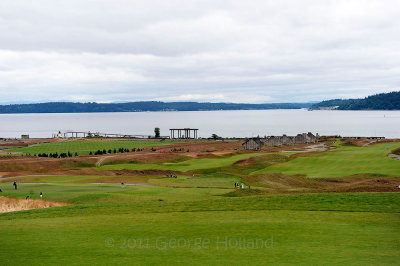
15, 185
41, 194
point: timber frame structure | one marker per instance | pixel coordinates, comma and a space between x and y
183, 133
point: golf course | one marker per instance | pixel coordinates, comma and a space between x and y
83, 147
177, 204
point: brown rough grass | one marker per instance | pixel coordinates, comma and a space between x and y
14, 204
396, 151
277, 182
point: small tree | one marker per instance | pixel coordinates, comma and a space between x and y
157, 132
215, 136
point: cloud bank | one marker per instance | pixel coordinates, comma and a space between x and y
231, 51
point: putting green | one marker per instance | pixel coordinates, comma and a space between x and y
343, 161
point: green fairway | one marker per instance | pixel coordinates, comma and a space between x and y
203, 238
188, 165
210, 180
84, 147
179, 226
199, 219
343, 161
100, 193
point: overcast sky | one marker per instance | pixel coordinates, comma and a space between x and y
219, 51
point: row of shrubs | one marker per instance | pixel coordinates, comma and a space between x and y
56, 155
120, 150
98, 152
180, 149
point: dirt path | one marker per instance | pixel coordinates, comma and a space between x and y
369, 143
101, 160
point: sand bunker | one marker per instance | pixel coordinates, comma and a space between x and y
13, 204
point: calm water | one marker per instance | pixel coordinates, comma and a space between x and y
224, 123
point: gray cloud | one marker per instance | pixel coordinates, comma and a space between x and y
257, 51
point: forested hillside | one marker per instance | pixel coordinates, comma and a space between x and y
68, 107
383, 101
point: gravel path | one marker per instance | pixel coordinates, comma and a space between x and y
101, 160
394, 156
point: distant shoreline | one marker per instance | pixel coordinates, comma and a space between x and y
176, 111
383, 101
70, 107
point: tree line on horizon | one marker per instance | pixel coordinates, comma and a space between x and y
382, 101
71, 107
98, 152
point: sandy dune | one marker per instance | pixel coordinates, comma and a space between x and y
13, 204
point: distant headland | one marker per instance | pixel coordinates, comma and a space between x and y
383, 101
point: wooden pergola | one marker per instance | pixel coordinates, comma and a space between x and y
183, 133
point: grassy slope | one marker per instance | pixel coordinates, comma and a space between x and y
357, 229
344, 161
188, 165
83, 147
345, 229
298, 238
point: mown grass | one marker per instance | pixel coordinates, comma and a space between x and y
107, 224
308, 238
343, 161
108, 192
84, 147
217, 179
184, 166
147, 198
